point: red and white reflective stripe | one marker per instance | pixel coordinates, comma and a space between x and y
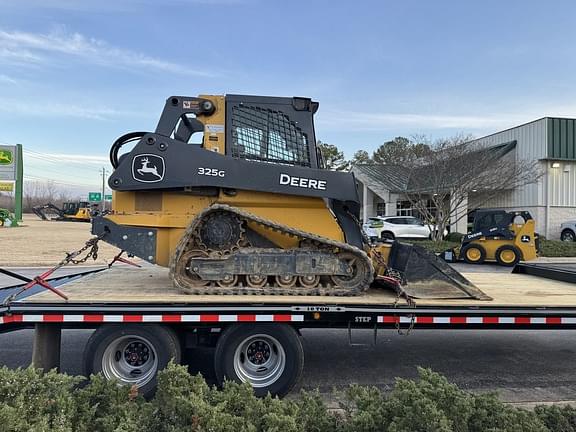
108, 318
485, 320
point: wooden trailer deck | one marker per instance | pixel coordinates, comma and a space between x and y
151, 285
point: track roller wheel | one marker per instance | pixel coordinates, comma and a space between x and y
286, 281
256, 281
228, 281
473, 253
309, 281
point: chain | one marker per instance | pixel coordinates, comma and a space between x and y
409, 303
393, 274
92, 247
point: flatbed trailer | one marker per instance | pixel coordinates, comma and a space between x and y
142, 321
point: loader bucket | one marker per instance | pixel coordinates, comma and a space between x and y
427, 276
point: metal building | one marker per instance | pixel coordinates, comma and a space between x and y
552, 200
551, 141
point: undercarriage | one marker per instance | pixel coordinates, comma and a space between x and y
222, 252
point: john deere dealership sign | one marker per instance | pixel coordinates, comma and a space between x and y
8, 162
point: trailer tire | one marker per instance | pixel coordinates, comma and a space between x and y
131, 354
508, 255
268, 356
473, 253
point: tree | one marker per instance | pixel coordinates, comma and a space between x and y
333, 158
400, 151
361, 157
454, 170
42, 192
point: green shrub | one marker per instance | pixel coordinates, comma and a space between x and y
34, 401
557, 248
556, 418
435, 246
455, 237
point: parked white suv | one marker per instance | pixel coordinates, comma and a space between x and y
392, 227
568, 231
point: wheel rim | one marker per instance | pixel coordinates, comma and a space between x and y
567, 236
508, 256
309, 281
473, 254
228, 281
259, 360
286, 281
132, 360
256, 281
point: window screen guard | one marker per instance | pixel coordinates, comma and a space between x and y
267, 135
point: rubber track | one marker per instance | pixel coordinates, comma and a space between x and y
268, 289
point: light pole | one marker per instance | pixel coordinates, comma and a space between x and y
103, 197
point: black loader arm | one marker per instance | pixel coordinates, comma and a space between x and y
270, 147
179, 166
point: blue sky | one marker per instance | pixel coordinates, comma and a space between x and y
76, 74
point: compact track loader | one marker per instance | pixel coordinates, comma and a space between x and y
231, 193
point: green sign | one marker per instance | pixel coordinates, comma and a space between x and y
6, 157
94, 196
108, 197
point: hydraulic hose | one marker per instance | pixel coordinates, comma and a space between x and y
124, 139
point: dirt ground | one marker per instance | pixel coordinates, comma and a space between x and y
45, 243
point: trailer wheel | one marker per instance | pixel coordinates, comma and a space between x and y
473, 253
269, 357
131, 354
508, 255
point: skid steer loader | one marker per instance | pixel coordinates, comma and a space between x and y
231, 193
498, 236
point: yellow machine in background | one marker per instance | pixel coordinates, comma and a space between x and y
498, 236
75, 211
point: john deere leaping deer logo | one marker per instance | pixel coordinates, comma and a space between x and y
6, 157
148, 168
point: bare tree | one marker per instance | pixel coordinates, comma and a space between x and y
441, 181
39, 193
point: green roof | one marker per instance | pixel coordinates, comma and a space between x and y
399, 179
561, 139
